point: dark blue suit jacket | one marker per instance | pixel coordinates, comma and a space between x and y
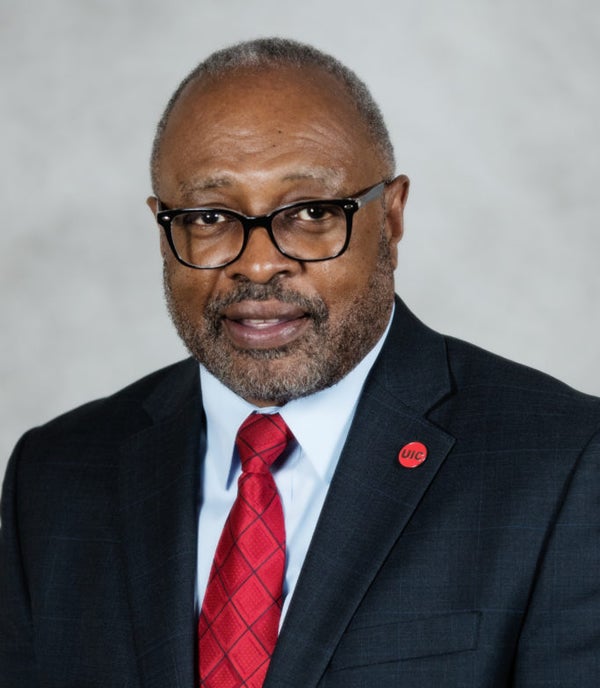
479, 568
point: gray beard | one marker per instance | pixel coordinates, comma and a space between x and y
321, 358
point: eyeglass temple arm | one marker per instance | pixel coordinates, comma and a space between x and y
371, 194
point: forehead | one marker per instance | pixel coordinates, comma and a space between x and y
252, 120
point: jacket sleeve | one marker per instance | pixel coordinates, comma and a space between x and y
17, 658
560, 639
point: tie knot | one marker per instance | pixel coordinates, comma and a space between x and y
260, 440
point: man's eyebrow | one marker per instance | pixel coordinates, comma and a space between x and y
187, 188
328, 176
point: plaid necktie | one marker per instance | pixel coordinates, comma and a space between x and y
239, 620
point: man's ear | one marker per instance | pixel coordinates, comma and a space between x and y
152, 203
396, 195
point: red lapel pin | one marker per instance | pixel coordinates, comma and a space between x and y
412, 454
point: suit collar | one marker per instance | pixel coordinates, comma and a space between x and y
370, 501
179, 387
413, 365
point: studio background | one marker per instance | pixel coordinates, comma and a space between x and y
493, 109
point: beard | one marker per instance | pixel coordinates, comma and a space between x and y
317, 360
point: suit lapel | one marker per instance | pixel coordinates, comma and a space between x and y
159, 495
370, 500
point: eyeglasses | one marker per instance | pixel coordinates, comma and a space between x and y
315, 230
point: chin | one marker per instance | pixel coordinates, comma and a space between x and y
272, 377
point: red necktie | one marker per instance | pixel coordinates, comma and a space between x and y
239, 620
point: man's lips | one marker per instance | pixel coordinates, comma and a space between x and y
264, 324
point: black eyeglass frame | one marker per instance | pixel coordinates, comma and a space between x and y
349, 205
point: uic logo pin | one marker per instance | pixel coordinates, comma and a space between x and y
412, 454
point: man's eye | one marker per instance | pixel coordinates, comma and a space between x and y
313, 212
205, 217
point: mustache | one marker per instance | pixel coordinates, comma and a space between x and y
314, 307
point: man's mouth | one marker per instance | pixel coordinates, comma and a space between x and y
264, 324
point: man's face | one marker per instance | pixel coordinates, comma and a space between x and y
269, 327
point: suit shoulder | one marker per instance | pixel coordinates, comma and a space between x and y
122, 413
501, 383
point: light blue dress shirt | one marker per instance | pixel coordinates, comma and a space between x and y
320, 424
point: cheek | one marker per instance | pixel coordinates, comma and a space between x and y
345, 277
340, 285
190, 289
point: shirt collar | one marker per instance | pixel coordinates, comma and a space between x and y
319, 422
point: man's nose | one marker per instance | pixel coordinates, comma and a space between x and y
261, 260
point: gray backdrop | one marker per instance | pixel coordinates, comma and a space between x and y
494, 110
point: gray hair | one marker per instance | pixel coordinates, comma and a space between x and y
265, 52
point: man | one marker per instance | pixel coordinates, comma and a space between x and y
440, 504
